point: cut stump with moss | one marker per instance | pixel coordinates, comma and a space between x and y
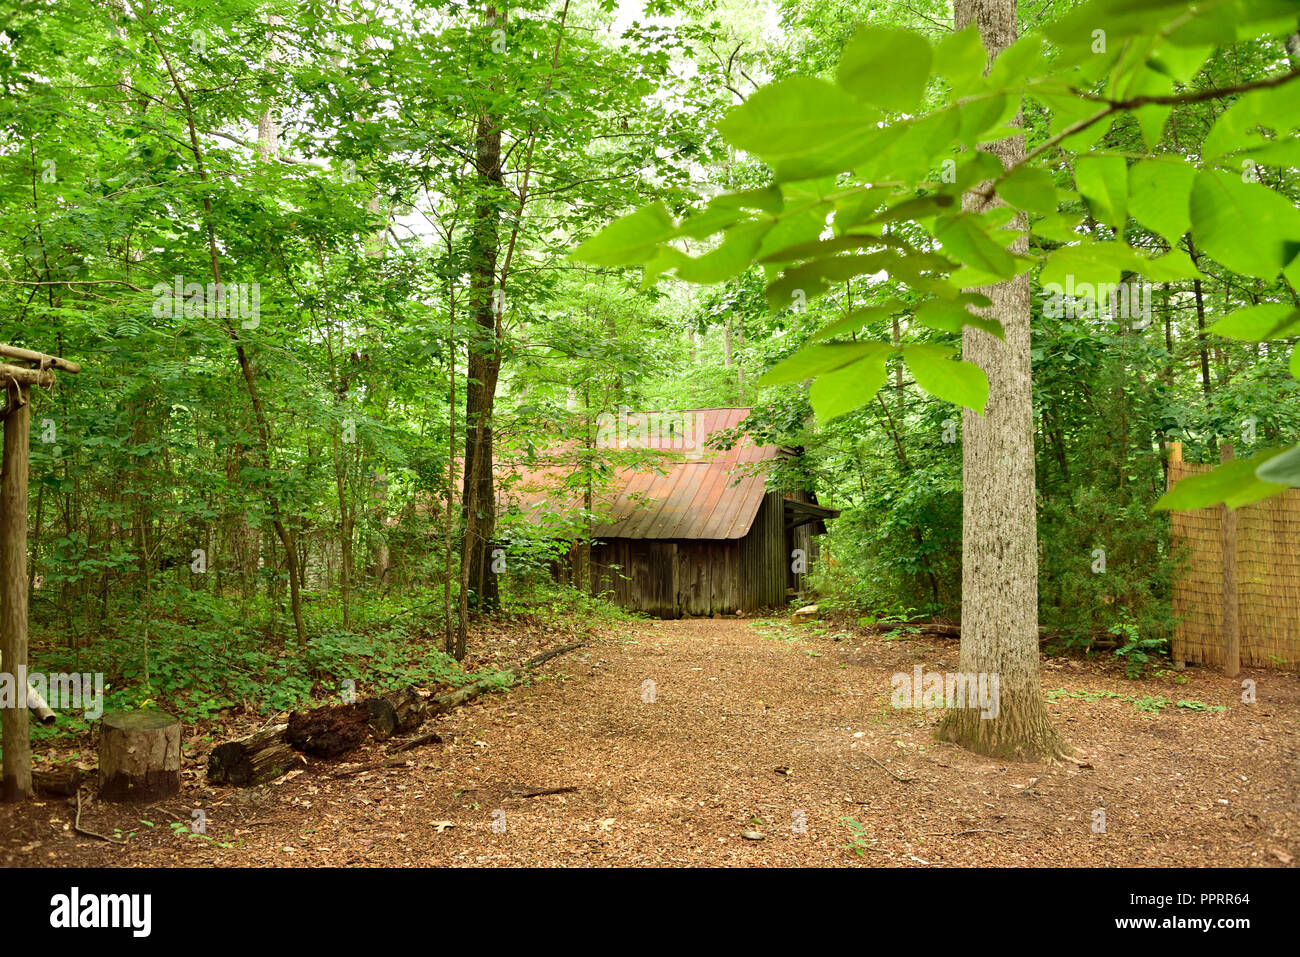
139, 756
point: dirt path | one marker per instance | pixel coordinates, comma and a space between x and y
752, 727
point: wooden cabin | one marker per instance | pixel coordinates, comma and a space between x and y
694, 531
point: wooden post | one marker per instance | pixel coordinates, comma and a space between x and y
16, 780
1231, 624
16, 382
1175, 457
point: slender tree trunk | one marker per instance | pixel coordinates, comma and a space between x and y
1201, 347
450, 631
487, 304
999, 531
285, 533
345, 533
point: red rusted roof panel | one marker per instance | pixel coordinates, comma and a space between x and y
695, 492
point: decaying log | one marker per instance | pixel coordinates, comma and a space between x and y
397, 711
334, 730
409, 707
139, 756
454, 699
329, 731
64, 780
253, 760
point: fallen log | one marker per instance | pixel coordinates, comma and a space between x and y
397, 711
454, 699
329, 731
63, 781
935, 628
38, 705
253, 760
334, 730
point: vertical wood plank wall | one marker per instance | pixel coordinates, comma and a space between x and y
699, 577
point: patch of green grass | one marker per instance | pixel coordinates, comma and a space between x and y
1150, 704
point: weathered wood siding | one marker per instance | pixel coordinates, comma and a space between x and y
698, 577
764, 558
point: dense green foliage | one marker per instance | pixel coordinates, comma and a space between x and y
1159, 185
797, 171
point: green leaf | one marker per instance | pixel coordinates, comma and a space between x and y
848, 242
814, 360
964, 240
1179, 63
1282, 152
1030, 189
630, 240
950, 317
793, 230
886, 67
1245, 226
834, 393
812, 279
731, 258
1277, 108
960, 58
956, 381
1283, 469
1103, 182
1295, 362
980, 115
856, 319
1152, 117
1171, 267
1271, 320
1059, 227
923, 143
1089, 262
1067, 110
797, 117
1233, 483
1159, 195
1017, 62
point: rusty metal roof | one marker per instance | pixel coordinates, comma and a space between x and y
689, 493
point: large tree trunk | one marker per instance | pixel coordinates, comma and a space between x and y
484, 366
999, 522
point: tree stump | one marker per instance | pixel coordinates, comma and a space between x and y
139, 756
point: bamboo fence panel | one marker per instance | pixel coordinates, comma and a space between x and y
1268, 580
